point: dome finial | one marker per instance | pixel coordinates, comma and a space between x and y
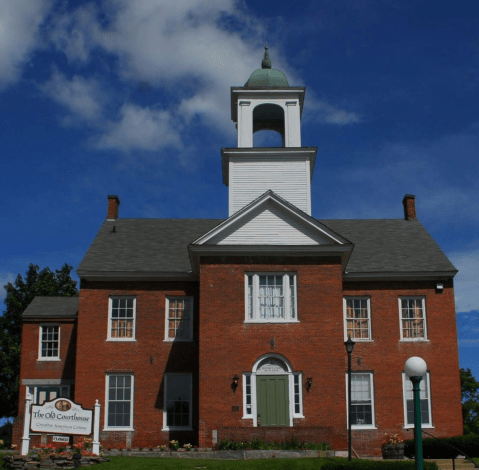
266, 62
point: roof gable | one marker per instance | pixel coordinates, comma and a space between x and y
271, 220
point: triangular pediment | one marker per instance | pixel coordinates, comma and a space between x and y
271, 221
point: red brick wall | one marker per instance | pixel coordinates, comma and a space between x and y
315, 347
31, 368
386, 356
148, 358
224, 346
230, 346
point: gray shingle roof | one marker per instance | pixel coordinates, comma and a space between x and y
160, 245
391, 245
144, 245
52, 307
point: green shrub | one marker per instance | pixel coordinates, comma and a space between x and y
445, 448
259, 444
360, 464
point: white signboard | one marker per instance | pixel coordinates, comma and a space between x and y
61, 416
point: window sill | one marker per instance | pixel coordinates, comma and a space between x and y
423, 426
177, 341
361, 340
49, 359
177, 428
271, 321
363, 428
414, 340
118, 429
121, 340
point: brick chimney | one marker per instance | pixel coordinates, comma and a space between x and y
409, 207
113, 204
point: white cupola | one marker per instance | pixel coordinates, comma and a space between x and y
267, 102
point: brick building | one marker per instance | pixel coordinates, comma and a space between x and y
200, 330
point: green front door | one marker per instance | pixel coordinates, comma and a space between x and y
272, 400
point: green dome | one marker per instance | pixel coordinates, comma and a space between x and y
266, 76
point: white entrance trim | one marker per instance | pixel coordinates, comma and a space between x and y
270, 364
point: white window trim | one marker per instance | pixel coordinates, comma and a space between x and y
429, 425
188, 299
109, 337
51, 358
362, 340
190, 418
417, 297
33, 390
132, 401
362, 426
287, 297
289, 372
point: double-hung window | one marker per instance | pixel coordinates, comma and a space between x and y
271, 297
357, 315
119, 401
412, 312
362, 400
121, 319
425, 402
49, 347
179, 319
177, 404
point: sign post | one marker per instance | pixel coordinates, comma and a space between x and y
96, 430
26, 426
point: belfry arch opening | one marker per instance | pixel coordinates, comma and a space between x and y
268, 126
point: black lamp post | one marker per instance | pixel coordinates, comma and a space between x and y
349, 349
415, 368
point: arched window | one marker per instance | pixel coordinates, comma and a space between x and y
272, 392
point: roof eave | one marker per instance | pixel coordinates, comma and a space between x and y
399, 276
196, 251
136, 276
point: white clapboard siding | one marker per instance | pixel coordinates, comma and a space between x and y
269, 225
287, 177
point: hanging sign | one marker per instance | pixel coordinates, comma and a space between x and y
61, 416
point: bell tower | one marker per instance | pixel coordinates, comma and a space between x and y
267, 102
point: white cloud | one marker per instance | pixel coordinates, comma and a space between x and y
20, 21
322, 112
466, 282
141, 128
83, 97
5, 278
188, 49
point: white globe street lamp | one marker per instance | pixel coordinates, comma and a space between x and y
415, 369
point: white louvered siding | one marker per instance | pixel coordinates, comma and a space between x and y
269, 226
287, 177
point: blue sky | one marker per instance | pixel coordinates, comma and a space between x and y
132, 98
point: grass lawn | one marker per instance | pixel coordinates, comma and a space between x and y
146, 463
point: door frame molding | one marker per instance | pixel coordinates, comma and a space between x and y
255, 372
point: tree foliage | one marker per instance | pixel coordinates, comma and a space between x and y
18, 297
470, 402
